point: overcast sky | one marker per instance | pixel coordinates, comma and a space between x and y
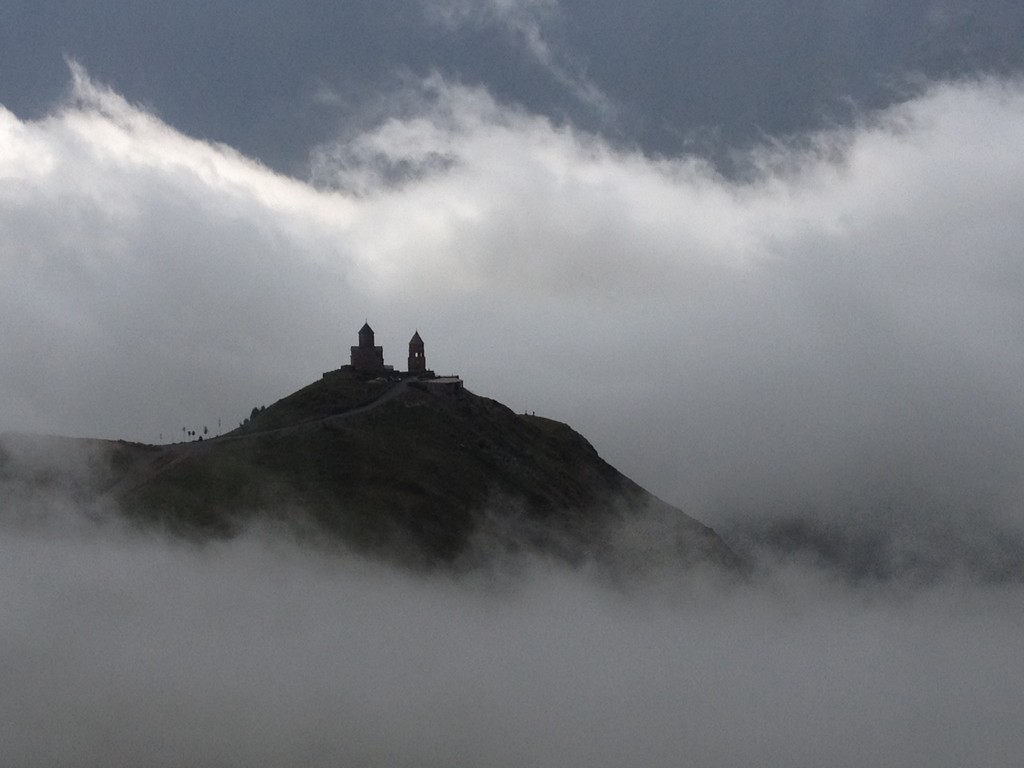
765, 256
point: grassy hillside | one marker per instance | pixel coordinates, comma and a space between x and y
390, 468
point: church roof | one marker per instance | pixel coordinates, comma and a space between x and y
366, 327
416, 338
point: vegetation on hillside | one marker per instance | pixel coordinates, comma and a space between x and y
390, 468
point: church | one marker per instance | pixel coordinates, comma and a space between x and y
366, 357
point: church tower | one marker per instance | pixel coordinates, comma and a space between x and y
417, 358
366, 357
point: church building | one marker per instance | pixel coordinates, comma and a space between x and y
366, 357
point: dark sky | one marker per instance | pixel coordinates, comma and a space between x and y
671, 76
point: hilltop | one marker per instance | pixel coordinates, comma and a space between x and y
399, 464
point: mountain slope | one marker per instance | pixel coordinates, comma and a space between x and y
402, 468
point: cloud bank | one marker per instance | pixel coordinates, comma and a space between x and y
837, 338
127, 650
841, 331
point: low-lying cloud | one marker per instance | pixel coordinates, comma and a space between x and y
129, 649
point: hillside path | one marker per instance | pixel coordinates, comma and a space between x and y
146, 469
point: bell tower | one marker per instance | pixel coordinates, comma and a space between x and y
417, 358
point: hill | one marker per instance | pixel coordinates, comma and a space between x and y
419, 469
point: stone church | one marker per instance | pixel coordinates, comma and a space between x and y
366, 357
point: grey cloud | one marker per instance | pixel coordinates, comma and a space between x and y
126, 649
532, 23
820, 356
835, 336
836, 331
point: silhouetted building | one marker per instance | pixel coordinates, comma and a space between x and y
366, 357
417, 357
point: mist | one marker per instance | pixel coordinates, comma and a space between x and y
124, 647
822, 361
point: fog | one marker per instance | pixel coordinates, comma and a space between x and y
822, 361
126, 648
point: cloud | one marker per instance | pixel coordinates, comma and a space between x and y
840, 329
531, 23
135, 257
130, 649
841, 333
837, 338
